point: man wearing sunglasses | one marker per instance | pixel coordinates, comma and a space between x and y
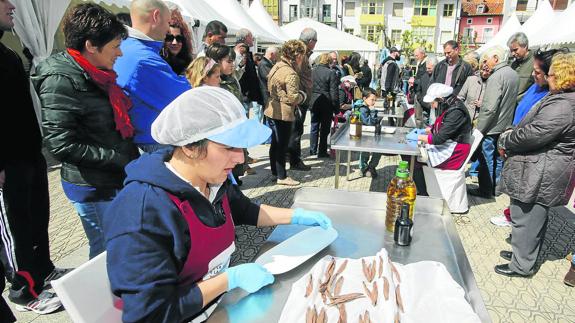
143, 74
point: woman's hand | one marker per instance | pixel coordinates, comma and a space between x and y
423, 138
249, 277
311, 218
502, 153
428, 130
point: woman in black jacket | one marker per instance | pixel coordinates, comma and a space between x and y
85, 115
324, 102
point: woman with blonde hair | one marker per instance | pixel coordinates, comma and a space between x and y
285, 96
539, 167
203, 71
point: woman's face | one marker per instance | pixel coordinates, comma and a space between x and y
298, 60
174, 40
218, 162
538, 74
227, 65
551, 80
214, 79
434, 104
105, 56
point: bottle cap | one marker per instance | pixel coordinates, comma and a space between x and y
402, 170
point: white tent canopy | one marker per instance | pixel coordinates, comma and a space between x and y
561, 31
511, 26
236, 13
539, 20
260, 15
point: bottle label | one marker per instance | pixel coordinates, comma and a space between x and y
353, 129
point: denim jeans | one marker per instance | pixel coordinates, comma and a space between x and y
258, 111
490, 165
91, 215
473, 170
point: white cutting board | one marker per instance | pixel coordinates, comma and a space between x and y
295, 250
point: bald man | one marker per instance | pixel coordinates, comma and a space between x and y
143, 74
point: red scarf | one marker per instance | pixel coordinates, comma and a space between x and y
106, 80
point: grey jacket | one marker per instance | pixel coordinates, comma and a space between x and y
473, 89
499, 101
541, 153
524, 69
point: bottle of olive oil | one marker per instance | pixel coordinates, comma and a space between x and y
401, 190
355, 125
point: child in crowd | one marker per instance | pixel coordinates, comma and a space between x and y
203, 71
368, 116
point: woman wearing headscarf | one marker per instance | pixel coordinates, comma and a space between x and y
170, 231
539, 166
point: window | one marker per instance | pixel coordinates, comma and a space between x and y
310, 9
348, 30
445, 36
487, 34
293, 12
481, 8
469, 20
521, 5
397, 10
448, 10
326, 13
395, 37
371, 7
272, 7
467, 35
371, 32
425, 8
349, 9
489, 21
421, 33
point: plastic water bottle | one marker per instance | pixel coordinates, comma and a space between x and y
400, 190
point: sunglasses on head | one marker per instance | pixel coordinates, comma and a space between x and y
170, 38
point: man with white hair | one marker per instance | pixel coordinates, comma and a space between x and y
264, 68
249, 82
522, 63
423, 83
495, 115
309, 37
335, 64
143, 74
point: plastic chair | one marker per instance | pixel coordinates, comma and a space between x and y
85, 293
453, 188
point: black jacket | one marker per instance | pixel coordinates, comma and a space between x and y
391, 78
365, 80
263, 70
421, 89
249, 82
456, 123
79, 127
324, 84
15, 84
458, 77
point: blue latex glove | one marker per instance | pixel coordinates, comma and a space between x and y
412, 135
304, 217
249, 277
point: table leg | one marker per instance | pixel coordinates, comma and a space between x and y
337, 158
348, 164
412, 166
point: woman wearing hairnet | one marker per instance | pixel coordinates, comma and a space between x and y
170, 231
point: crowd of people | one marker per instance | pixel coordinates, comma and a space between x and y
153, 141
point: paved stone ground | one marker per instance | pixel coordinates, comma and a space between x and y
543, 298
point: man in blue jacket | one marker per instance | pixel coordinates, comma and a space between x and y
143, 74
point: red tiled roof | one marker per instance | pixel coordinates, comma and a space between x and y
492, 7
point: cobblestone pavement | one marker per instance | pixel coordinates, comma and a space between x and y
543, 298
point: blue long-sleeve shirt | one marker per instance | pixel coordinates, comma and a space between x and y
533, 95
148, 80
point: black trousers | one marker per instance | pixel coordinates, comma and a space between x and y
294, 147
281, 131
321, 116
27, 213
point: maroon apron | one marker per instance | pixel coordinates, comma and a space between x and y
210, 248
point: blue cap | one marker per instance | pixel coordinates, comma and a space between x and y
247, 134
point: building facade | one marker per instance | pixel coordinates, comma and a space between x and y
480, 21
381, 21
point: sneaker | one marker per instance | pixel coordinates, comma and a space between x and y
252, 160
500, 221
569, 279
57, 273
250, 171
287, 181
300, 166
373, 173
46, 303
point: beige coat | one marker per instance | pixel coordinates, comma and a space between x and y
283, 85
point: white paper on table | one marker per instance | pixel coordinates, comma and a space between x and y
295, 250
428, 291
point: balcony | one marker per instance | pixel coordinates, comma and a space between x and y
371, 19
426, 21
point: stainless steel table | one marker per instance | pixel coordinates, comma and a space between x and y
385, 143
359, 218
